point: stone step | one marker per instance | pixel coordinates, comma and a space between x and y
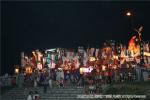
55, 95
48, 99
63, 99
50, 92
39, 89
58, 98
43, 98
67, 93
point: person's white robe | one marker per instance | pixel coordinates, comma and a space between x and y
29, 97
62, 74
50, 83
35, 83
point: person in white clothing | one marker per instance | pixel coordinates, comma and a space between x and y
35, 83
29, 97
50, 83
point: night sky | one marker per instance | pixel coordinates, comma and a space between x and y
27, 26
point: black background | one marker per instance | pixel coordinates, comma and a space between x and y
27, 26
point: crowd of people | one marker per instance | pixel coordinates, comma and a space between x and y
92, 82
113, 63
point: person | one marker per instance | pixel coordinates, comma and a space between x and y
50, 82
130, 76
42, 78
35, 83
79, 83
21, 79
61, 82
61, 74
91, 87
36, 96
67, 78
45, 83
57, 76
29, 97
13, 81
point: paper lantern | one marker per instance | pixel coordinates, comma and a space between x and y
103, 68
92, 59
28, 70
16, 70
39, 66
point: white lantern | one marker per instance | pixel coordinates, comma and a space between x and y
103, 68
39, 66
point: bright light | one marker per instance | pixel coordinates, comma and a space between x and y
39, 66
81, 70
92, 59
51, 50
103, 68
26, 57
85, 70
115, 57
128, 13
147, 54
16, 70
28, 70
59, 68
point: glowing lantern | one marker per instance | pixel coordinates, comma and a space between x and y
16, 70
81, 70
147, 54
92, 59
85, 70
59, 68
103, 68
115, 57
28, 70
39, 66
129, 13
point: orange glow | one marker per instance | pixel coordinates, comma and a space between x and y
28, 70
133, 47
115, 56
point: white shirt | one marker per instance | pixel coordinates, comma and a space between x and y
29, 97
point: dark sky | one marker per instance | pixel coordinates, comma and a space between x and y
27, 26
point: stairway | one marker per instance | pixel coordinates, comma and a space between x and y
67, 93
